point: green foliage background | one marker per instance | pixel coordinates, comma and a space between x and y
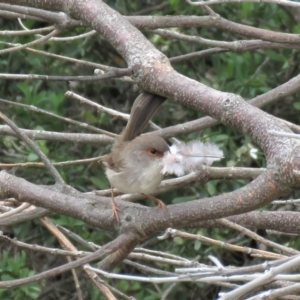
248, 74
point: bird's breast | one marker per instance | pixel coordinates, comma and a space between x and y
136, 180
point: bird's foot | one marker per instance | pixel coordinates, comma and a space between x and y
115, 208
160, 204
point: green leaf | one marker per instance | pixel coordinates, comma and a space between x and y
43, 146
178, 240
246, 9
174, 3
99, 182
89, 116
296, 28
211, 189
197, 245
297, 105
32, 157
275, 56
183, 199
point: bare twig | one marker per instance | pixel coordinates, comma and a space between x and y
57, 164
29, 247
38, 41
65, 137
258, 238
25, 32
100, 284
60, 19
236, 46
173, 233
42, 156
67, 245
115, 73
68, 120
22, 207
263, 279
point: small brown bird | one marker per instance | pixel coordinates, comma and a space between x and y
134, 165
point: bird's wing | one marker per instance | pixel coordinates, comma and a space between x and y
144, 107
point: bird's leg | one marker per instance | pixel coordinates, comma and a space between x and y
160, 204
115, 207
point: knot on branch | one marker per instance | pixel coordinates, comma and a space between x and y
152, 67
64, 21
130, 224
286, 164
136, 67
231, 100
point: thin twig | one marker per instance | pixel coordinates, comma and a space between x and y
25, 32
65, 137
111, 74
38, 248
35, 42
42, 156
100, 284
22, 207
67, 120
258, 238
249, 251
67, 245
57, 164
263, 279
66, 58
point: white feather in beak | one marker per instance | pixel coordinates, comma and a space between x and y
188, 157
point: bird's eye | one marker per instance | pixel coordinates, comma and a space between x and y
154, 152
